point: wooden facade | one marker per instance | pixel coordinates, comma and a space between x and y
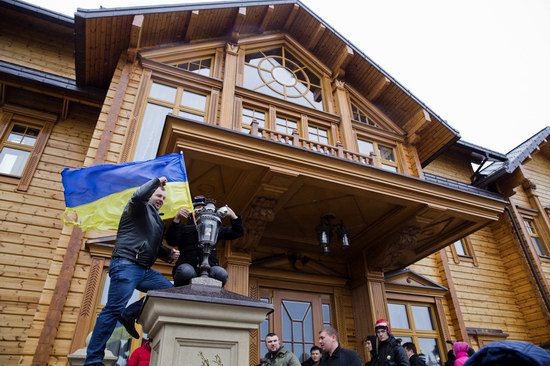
284, 120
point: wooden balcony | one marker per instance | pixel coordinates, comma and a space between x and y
296, 140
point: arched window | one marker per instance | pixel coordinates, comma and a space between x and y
278, 73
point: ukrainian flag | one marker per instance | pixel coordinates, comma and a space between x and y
96, 196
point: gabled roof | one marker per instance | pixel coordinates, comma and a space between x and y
102, 35
515, 158
38, 12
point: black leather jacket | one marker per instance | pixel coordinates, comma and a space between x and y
186, 238
140, 231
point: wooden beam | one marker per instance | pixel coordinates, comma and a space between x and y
193, 17
339, 69
452, 296
267, 18
237, 25
416, 123
53, 317
316, 37
135, 37
291, 17
378, 88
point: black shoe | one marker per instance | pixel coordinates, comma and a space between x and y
129, 325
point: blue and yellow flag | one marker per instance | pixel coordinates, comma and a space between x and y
96, 196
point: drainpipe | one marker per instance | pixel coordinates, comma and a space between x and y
523, 245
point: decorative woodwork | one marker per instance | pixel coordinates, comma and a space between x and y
378, 88
135, 37
89, 300
237, 25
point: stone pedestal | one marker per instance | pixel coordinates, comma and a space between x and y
192, 324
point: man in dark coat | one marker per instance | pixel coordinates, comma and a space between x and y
389, 352
414, 359
334, 355
186, 238
138, 244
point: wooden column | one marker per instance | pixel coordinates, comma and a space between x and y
237, 266
228, 91
369, 303
346, 129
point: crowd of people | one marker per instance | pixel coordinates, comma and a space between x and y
139, 243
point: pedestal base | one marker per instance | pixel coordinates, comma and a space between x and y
192, 324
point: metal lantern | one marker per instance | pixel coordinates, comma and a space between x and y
208, 221
324, 233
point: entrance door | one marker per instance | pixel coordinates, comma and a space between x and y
298, 318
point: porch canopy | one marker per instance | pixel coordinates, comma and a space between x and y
282, 191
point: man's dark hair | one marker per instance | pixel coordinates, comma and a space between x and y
271, 335
314, 348
410, 346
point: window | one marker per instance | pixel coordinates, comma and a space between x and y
23, 134
388, 160
17, 148
165, 99
539, 245
278, 73
360, 116
200, 66
286, 125
415, 322
318, 134
250, 114
461, 249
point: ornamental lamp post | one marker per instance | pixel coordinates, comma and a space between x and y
208, 221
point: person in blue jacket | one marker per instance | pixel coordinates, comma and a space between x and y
510, 353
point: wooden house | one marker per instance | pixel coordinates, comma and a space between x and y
283, 119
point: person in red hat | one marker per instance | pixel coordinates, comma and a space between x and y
387, 351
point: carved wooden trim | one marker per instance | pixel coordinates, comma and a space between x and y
340, 316
87, 310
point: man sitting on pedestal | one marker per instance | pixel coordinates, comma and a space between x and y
185, 237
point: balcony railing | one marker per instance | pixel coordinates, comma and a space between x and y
296, 140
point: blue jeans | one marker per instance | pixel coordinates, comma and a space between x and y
126, 276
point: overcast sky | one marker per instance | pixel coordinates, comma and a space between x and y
481, 65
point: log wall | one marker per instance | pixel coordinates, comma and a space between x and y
31, 228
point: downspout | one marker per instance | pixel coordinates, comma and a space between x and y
528, 257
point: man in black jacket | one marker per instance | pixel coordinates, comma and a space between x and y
138, 244
334, 355
389, 351
186, 238
414, 358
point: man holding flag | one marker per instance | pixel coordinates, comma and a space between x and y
91, 196
138, 244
